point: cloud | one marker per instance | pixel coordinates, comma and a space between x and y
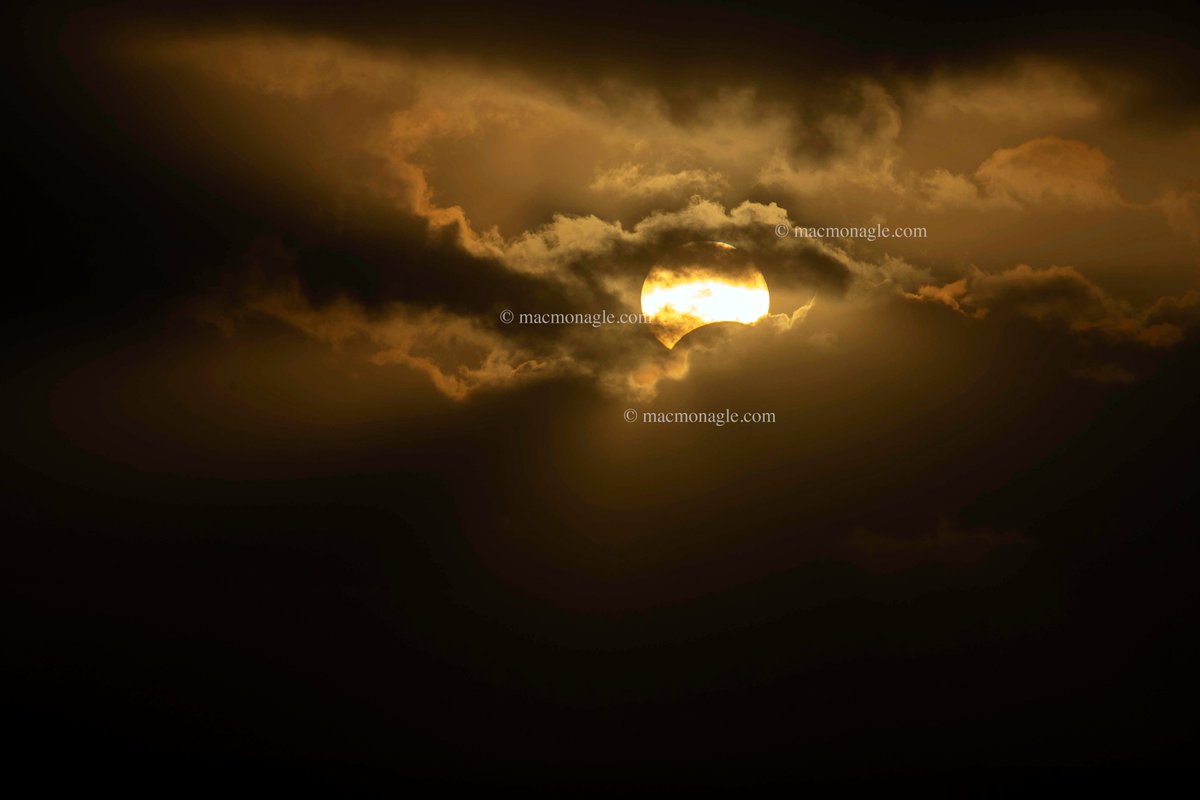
945, 189
1181, 312
1182, 211
1034, 91
459, 353
1051, 171
847, 149
948, 544
633, 180
1062, 297
1105, 373
1044, 174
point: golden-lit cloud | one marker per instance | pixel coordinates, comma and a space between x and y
1064, 296
1035, 91
1051, 170
457, 353
1048, 172
634, 180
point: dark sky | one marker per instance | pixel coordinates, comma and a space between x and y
288, 505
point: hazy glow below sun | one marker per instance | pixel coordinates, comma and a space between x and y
682, 300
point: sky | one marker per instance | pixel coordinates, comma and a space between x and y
296, 496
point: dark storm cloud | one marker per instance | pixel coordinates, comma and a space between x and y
782, 40
1062, 296
374, 268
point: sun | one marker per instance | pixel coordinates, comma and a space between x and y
706, 282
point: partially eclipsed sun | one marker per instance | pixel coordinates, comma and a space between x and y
680, 298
